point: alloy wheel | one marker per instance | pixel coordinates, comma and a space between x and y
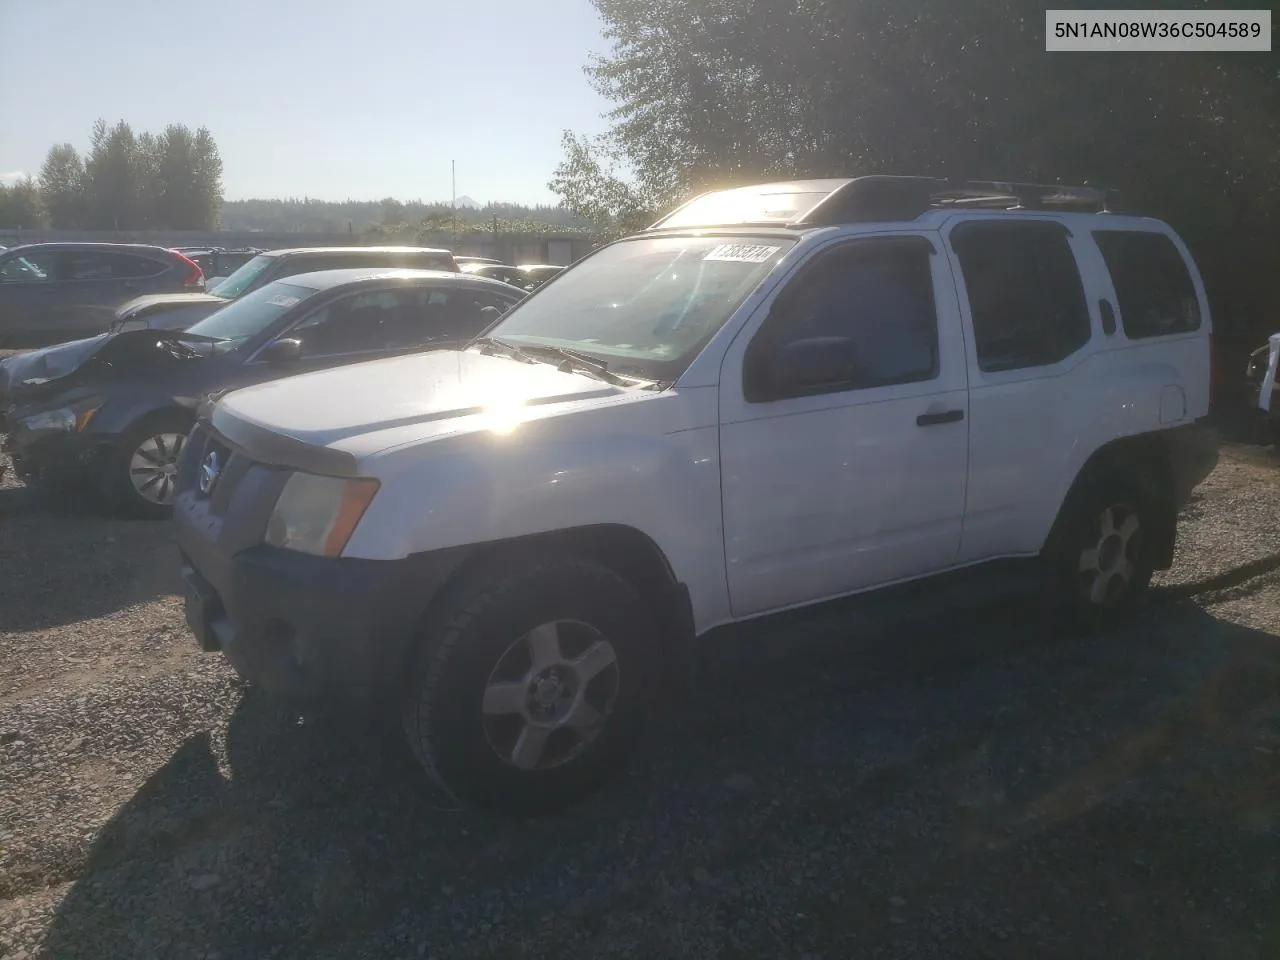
1109, 564
550, 695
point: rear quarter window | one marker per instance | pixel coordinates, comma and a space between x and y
1156, 295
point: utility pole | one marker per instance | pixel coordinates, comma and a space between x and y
453, 221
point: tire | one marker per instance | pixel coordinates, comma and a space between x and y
495, 711
156, 439
1102, 560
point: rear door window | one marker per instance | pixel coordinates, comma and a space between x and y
134, 266
87, 265
1156, 295
1026, 298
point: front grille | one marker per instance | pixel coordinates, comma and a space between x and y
231, 466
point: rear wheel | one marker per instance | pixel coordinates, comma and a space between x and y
532, 684
1103, 559
142, 473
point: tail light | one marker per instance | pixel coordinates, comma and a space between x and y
194, 280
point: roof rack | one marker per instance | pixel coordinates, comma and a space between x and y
811, 203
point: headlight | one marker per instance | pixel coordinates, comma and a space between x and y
71, 419
317, 515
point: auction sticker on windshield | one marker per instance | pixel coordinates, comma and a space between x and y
741, 253
283, 300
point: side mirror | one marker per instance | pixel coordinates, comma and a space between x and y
802, 366
282, 351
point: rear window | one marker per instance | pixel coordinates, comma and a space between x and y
242, 279
1156, 295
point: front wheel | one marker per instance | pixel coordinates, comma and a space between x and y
141, 474
532, 684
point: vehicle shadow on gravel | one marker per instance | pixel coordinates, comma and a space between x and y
995, 787
63, 561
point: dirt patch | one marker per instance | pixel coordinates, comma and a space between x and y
992, 787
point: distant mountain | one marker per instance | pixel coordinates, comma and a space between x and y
468, 203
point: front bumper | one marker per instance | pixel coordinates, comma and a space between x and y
311, 628
41, 456
300, 626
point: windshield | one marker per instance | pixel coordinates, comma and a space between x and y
251, 314
644, 306
240, 281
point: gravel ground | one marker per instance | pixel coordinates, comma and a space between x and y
981, 787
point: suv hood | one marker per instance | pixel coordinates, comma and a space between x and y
303, 421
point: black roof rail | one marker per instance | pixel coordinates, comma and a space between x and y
811, 203
872, 198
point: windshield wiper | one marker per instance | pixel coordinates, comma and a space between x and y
585, 364
175, 339
510, 348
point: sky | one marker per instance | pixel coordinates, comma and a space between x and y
332, 99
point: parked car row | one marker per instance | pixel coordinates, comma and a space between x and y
179, 311
777, 396
114, 409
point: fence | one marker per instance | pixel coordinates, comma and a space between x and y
558, 249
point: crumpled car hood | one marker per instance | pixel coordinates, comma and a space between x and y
36, 367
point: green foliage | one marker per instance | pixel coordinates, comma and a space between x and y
588, 185
62, 186
20, 205
712, 93
131, 181
394, 220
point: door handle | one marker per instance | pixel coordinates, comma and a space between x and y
1108, 314
947, 416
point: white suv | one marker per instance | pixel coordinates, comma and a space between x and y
776, 396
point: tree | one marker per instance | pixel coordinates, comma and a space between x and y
587, 184
148, 162
207, 182
720, 92
111, 173
62, 186
20, 205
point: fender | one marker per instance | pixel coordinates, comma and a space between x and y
651, 465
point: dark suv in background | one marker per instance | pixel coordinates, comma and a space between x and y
51, 292
179, 311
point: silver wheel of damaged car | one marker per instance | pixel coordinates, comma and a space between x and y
153, 467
